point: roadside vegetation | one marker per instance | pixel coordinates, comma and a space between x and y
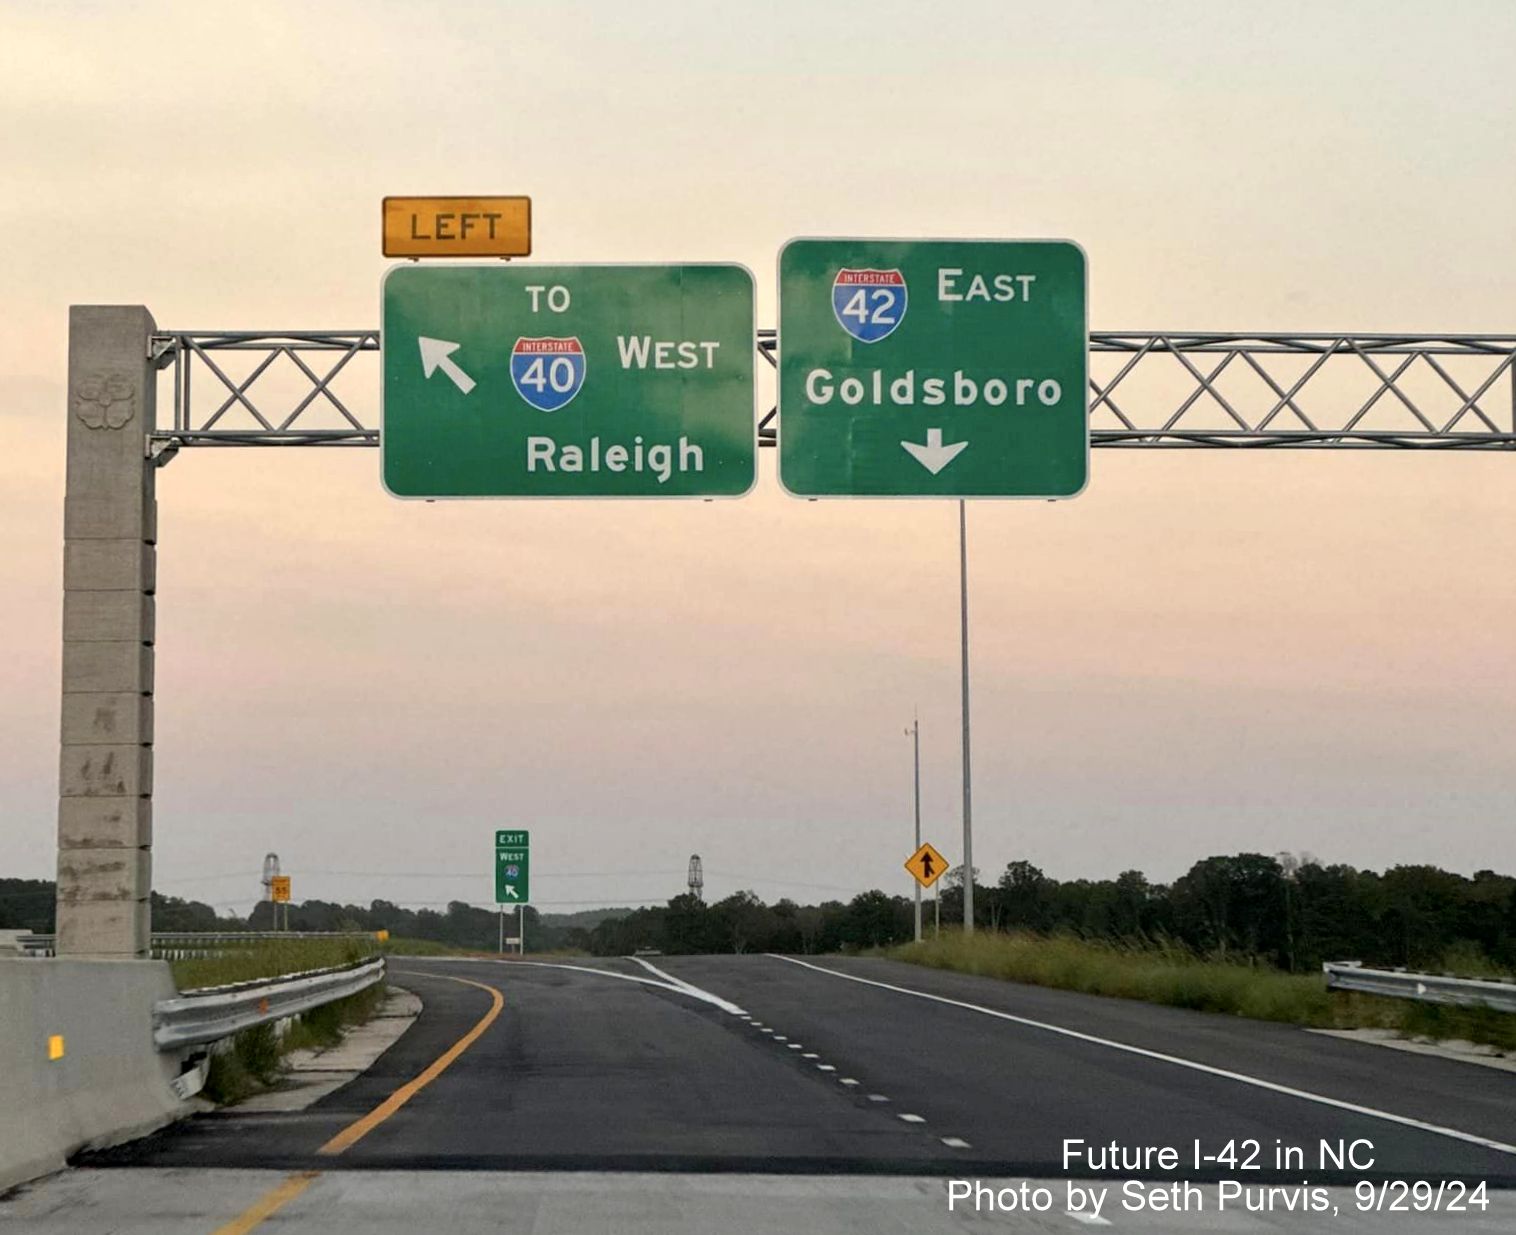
268, 958
1170, 974
253, 1061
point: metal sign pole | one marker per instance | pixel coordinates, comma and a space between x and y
500, 915
916, 758
968, 779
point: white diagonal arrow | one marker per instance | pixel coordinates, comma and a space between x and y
438, 354
934, 456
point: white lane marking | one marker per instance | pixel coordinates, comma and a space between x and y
794, 1046
779, 1037
1087, 1219
688, 987
810, 1055
877, 1097
768, 1031
913, 1119
1241, 1078
846, 1080
825, 1067
955, 1142
679, 988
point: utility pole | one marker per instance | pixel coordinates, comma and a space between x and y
968, 780
915, 733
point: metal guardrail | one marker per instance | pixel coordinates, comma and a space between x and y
181, 945
197, 1018
34, 945
1425, 987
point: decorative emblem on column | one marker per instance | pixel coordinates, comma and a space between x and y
105, 400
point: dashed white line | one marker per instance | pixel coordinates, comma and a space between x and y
913, 1119
779, 1037
794, 1046
1404, 1121
877, 1097
825, 1067
955, 1142
810, 1055
1087, 1219
846, 1080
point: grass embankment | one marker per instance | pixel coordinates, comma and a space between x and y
426, 947
430, 947
253, 1059
1177, 978
268, 958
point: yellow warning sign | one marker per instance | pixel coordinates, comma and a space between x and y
279, 889
926, 865
457, 227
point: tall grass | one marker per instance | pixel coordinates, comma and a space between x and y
1155, 974
1172, 975
268, 958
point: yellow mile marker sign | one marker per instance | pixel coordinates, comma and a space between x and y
457, 227
926, 865
279, 889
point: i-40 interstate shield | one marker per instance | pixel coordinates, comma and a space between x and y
933, 368
568, 381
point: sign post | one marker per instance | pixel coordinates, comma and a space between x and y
568, 381
279, 894
513, 879
933, 368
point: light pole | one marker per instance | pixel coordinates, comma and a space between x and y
968, 783
915, 735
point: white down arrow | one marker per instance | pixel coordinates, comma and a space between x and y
934, 456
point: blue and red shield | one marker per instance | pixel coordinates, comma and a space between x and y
869, 304
547, 373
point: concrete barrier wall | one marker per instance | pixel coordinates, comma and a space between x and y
77, 1064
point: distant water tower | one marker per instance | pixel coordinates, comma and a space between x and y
270, 870
697, 879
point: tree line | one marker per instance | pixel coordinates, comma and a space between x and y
1290, 912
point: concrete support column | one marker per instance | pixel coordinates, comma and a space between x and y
109, 532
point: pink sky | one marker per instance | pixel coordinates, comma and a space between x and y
1204, 653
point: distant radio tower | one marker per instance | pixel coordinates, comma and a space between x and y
697, 879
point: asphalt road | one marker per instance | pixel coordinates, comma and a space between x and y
755, 1067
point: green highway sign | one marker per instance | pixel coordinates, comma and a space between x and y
568, 381
933, 368
512, 867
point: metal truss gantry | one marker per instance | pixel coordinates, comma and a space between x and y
1147, 389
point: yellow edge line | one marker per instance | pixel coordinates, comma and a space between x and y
277, 1198
360, 1128
268, 1204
